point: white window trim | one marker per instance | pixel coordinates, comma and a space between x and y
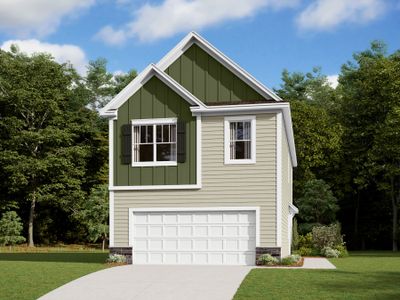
227, 159
147, 122
256, 209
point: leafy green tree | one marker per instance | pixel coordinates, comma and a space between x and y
10, 229
317, 206
102, 86
312, 87
44, 145
94, 214
369, 89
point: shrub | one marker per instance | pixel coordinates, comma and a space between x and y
306, 240
329, 252
326, 236
304, 251
295, 235
342, 250
10, 229
116, 258
290, 260
267, 259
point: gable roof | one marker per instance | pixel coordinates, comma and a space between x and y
158, 70
152, 70
195, 38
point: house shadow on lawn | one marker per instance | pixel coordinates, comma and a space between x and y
375, 285
67, 257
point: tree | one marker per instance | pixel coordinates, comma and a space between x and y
44, 151
101, 85
369, 89
312, 87
317, 206
94, 214
10, 229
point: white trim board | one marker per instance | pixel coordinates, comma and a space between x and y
155, 187
256, 209
279, 180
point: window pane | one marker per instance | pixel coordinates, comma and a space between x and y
247, 131
159, 133
146, 152
143, 134
242, 150
173, 133
150, 133
239, 131
166, 133
164, 152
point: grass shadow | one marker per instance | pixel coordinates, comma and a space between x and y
67, 257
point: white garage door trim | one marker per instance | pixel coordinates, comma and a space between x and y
193, 209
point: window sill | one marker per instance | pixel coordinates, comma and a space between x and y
155, 164
240, 162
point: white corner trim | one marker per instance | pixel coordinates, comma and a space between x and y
227, 159
111, 219
155, 187
195, 209
279, 179
194, 37
111, 181
199, 151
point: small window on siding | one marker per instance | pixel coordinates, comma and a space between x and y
154, 142
240, 140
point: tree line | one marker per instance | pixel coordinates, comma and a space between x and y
53, 147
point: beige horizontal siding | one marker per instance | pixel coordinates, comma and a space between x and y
222, 185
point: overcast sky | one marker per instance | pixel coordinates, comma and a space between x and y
263, 36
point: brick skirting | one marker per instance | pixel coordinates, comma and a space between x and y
125, 251
274, 251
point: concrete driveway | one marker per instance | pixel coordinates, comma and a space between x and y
154, 282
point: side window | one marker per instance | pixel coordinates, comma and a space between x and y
240, 140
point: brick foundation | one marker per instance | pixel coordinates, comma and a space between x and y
125, 251
274, 251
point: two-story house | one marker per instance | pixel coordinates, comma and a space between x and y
201, 158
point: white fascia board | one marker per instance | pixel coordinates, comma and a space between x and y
194, 37
284, 107
152, 70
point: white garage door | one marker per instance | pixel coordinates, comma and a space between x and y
198, 237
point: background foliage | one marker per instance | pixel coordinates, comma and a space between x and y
53, 147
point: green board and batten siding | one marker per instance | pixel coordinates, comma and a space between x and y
209, 80
155, 100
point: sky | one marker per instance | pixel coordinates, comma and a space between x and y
262, 36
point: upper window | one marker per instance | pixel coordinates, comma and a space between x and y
240, 137
154, 142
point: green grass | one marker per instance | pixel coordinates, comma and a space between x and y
26, 275
363, 275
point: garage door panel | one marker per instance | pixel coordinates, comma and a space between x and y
216, 237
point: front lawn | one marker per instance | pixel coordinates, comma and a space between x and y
363, 275
25, 275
